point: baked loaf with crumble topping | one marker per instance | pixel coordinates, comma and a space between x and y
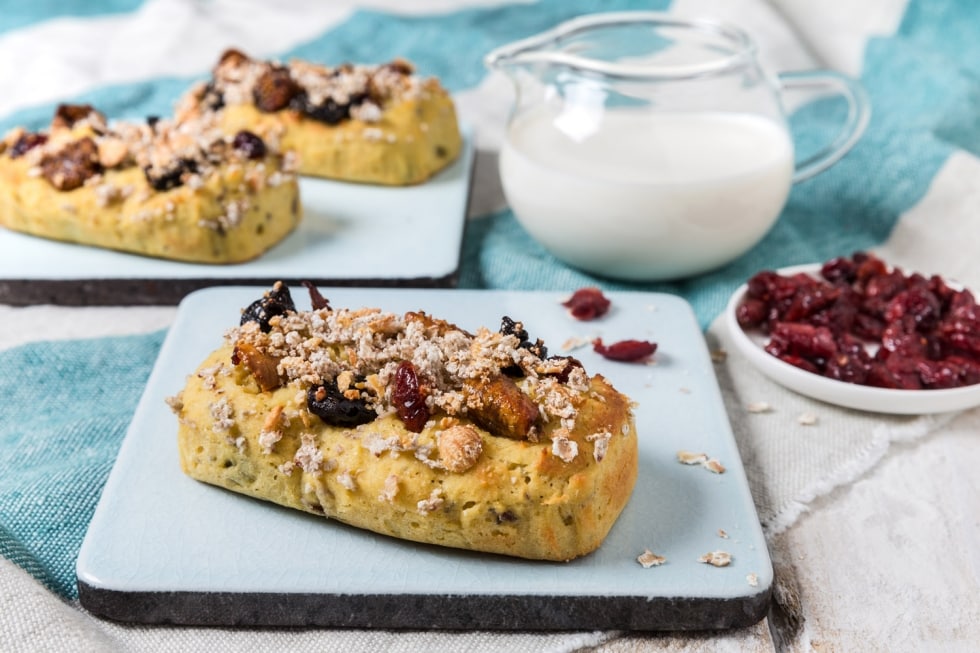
187, 192
378, 124
408, 426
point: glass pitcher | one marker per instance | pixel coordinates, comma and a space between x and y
648, 147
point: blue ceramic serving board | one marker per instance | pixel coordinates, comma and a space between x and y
165, 548
350, 233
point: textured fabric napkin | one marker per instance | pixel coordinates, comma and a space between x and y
909, 189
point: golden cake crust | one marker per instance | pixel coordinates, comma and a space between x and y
370, 124
552, 493
223, 207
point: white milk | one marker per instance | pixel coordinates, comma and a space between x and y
650, 195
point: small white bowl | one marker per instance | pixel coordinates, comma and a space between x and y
849, 395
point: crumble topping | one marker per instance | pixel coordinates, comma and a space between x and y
390, 489
600, 443
434, 502
308, 457
360, 350
170, 153
346, 479
222, 414
321, 92
563, 447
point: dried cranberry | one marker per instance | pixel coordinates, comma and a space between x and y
326, 401
587, 304
928, 334
26, 142
625, 350
408, 399
277, 301
251, 146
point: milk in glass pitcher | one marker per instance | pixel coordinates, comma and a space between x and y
648, 147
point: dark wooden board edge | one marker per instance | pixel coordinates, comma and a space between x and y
169, 292
425, 612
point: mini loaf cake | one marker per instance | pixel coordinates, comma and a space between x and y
406, 425
375, 124
186, 192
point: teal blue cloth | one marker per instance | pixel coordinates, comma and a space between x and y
65, 409
66, 406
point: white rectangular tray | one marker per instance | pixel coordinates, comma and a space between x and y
165, 548
351, 234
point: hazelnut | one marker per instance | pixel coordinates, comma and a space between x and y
460, 447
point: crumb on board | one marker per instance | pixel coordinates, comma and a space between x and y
759, 407
650, 559
722, 533
575, 342
753, 580
719, 355
695, 458
717, 558
807, 419
691, 458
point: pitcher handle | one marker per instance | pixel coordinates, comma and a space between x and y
858, 115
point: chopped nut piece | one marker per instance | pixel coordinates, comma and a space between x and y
716, 558
759, 407
807, 419
650, 559
460, 447
722, 533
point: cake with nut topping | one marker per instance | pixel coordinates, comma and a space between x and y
409, 426
377, 124
187, 192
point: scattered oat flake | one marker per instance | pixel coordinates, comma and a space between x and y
759, 407
650, 559
717, 558
753, 580
722, 533
691, 458
574, 343
713, 465
807, 419
719, 355
686, 391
